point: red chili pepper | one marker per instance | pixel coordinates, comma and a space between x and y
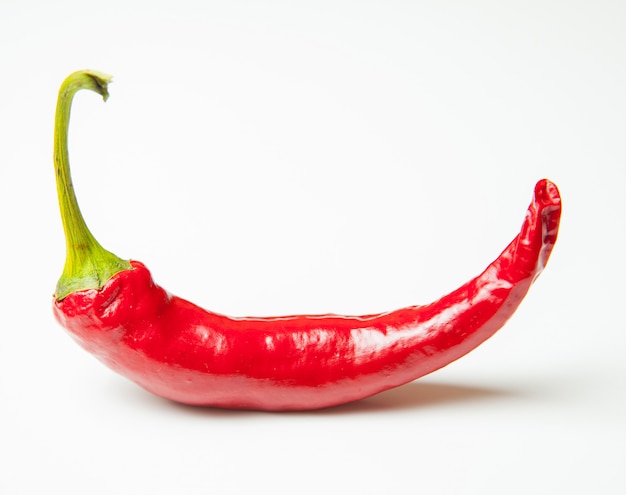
179, 351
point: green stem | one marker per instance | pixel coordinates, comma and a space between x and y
87, 264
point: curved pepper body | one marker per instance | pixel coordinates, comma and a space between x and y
179, 351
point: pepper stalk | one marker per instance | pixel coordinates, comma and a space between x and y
87, 264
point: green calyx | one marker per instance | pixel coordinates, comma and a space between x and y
87, 264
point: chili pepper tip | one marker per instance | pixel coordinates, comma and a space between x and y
547, 193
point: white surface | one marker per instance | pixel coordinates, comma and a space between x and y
285, 157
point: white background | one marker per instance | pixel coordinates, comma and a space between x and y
330, 156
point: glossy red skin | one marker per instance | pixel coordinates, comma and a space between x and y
179, 351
